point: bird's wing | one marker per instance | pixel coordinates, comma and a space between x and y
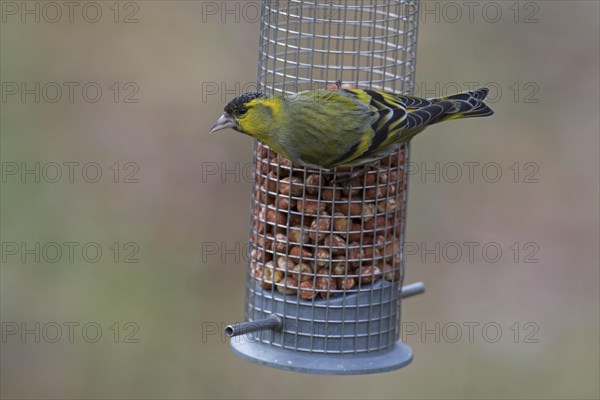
399, 114
387, 112
417, 120
412, 102
395, 119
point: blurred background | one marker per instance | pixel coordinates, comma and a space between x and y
124, 223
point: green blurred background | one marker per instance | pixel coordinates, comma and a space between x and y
543, 56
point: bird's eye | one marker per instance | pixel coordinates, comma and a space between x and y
242, 111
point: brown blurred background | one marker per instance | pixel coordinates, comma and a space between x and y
176, 200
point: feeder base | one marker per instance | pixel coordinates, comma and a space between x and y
323, 364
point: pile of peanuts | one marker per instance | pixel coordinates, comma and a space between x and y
311, 237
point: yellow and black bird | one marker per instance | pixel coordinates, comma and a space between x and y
325, 129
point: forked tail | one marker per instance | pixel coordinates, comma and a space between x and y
466, 105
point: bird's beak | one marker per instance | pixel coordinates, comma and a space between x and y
223, 123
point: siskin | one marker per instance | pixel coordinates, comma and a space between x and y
325, 129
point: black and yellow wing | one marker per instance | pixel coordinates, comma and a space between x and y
398, 118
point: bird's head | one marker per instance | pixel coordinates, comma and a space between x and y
252, 113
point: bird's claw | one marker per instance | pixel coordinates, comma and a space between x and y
347, 180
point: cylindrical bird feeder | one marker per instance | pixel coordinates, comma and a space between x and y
325, 266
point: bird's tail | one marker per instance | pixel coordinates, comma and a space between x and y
466, 105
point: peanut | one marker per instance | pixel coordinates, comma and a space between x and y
349, 209
285, 264
271, 274
322, 256
280, 243
325, 284
355, 254
353, 188
346, 283
302, 272
262, 166
298, 235
313, 182
380, 192
287, 285
259, 226
290, 185
371, 178
391, 274
388, 205
368, 212
331, 194
369, 273
307, 290
276, 217
284, 203
271, 183
339, 268
263, 241
390, 177
296, 252
337, 244
284, 162
341, 223
378, 224
259, 255
356, 209
258, 273
320, 226
311, 205
263, 151
372, 253
260, 194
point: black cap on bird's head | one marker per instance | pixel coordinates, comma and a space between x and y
234, 109
239, 102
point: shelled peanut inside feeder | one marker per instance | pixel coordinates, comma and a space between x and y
314, 239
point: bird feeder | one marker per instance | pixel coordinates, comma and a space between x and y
325, 266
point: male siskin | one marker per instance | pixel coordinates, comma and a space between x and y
325, 129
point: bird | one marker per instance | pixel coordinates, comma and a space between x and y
340, 126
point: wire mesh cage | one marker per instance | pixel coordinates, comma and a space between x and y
325, 265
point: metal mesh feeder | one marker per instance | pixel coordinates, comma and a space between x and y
325, 266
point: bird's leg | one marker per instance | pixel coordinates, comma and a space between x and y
347, 180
